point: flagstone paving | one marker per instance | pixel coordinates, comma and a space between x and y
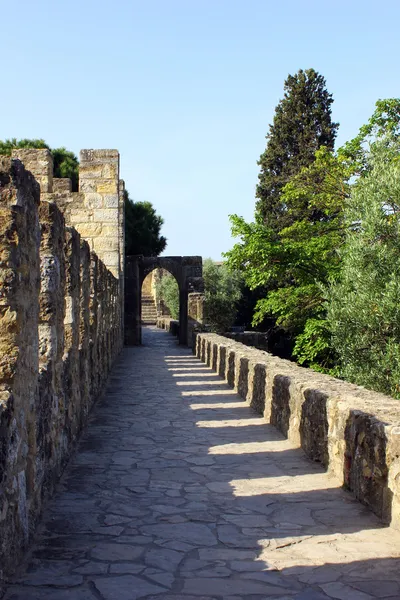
179, 491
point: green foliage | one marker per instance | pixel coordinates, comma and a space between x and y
167, 289
364, 305
65, 162
222, 294
383, 124
295, 261
142, 229
8, 145
302, 124
313, 347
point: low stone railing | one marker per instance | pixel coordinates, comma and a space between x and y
353, 432
169, 324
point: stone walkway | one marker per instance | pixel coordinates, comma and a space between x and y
180, 492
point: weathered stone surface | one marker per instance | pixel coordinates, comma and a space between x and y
126, 587
60, 331
297, 535
187, 271
353, 432
193, 533
20, 593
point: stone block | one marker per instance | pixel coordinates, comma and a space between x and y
87, 185
93, 200
110, 259
62, 184
80, 216
107, 186
105, 244
106, 215
353, 432
89, 230
111, 201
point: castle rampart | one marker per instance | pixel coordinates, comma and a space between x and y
61, 274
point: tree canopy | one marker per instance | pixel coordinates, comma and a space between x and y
222, 292
363, 305
142, 229
302, 124
65, 162
298, 260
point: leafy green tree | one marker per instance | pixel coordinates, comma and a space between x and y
314, 345
364, 304
383, 124
8, 145
222, 290
142, 229
293, 262
167, 290
301, 125
65, 162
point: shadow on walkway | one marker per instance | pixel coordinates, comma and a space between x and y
180, 491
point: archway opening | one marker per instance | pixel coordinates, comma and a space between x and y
187, 270
159, 297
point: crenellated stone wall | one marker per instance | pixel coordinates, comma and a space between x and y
61, 324
96, 211
353, 432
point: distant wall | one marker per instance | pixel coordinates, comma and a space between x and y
353, 432
60, 331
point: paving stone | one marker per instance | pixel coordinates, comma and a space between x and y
226, 554
165, 579
223, 587
311, 595
125, 568
343, 592
378, 589
117, 552
92, 568
181, 597
193, 533
29, 593
164, 559
192, 497
126, 587
51, 573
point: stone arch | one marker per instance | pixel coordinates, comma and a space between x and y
188, 272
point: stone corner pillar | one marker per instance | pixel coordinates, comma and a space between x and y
99, 183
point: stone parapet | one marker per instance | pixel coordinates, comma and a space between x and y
96, 211
60, 331
353, 432
168, 324
40, 163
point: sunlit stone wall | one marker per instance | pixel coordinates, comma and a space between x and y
353, 432
60, 331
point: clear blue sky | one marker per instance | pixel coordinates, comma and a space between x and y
186, 89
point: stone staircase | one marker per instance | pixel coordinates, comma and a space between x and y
149, 311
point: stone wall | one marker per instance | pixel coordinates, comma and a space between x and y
168, 324
60, 331
353, 432
96, 211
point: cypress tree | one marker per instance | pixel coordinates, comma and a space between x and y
301, 125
